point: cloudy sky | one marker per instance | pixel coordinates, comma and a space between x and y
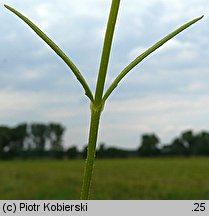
167, 93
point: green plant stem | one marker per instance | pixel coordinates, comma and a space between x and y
106, 50
97, 104
94, 127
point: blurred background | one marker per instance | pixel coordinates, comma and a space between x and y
164, 101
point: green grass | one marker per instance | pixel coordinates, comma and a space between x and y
175, 178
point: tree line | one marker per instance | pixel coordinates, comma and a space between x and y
39, 140
31, 140
186, 144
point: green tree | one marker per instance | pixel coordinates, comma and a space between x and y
55, 134
149, 144
189, 141
4, 138
72, 152
101, 151
202, 143
18, 135
178, 147
39, 135
198, 144
84, 151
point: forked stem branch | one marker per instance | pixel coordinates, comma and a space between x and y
97, 104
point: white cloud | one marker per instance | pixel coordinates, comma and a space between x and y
11, 101
195, 87
19, 102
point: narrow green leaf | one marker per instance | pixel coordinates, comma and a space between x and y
145, 54
57, 50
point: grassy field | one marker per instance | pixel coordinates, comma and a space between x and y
175, 178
